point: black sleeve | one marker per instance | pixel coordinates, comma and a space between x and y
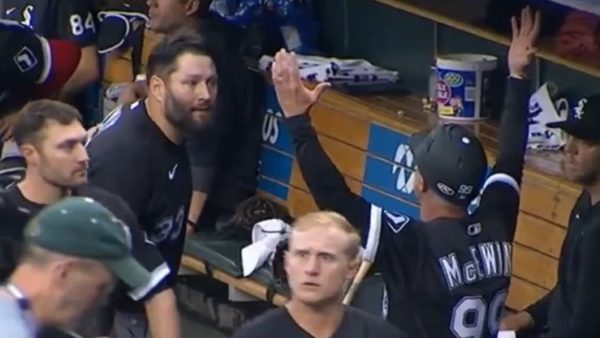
121, 170
24, 62
500, 196
539, 310
75, 22
144, 251
325, 182
584, 321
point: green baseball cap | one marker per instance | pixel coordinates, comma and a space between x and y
82, 227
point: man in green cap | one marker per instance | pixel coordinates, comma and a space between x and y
74, 249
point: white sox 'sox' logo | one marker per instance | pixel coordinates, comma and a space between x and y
579, 109
405, 179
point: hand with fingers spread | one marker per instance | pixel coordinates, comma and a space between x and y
524, 36
293, 96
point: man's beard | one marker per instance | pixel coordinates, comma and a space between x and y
181, 118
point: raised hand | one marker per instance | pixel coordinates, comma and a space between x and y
524, 36
294, 98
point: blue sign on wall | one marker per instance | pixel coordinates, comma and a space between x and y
393, 179
272, 187
390, 165
274, 129
390, 145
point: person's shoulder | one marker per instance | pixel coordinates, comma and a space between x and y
100, 195
11, 320
109, 200
396, 221
378, 326
262, 324
122, 126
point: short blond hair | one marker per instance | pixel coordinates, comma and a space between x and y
330, 219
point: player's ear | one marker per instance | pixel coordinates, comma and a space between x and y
157, 88
420, 184
286, 257
29, 153
354, 266
193, 6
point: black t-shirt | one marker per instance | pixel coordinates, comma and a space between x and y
71, 20
355, 324
132, 158
16, 211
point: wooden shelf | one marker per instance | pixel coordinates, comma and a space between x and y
438, 11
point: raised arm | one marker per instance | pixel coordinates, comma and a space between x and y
325, 182
501, 190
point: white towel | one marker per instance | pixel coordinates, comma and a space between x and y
320, 69
543, 109
507, 334
265, 237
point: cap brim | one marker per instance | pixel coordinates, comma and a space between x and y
578, 130
130, 271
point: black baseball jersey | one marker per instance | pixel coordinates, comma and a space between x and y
444, 278
132, 158
355, 324
71, 20
16, 211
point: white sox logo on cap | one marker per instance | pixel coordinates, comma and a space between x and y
579, 109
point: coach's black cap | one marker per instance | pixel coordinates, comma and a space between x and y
584, 123
452, 161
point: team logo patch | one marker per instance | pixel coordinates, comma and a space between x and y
396, 222
25, 60
579, 109
444, 189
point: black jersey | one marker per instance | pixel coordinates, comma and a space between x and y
355, 324
71, 20
132, 158
16, 211
444, 278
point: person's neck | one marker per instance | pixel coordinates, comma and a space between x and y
157, 115
432, 208
594, 191
35, 189
321, 322
31, 284
190, 23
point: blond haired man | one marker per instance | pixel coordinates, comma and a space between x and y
321, 259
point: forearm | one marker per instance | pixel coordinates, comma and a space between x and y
87, 72
196, 205
324, 180
514, 129
163, 317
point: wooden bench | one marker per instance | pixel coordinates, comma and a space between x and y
366, 138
